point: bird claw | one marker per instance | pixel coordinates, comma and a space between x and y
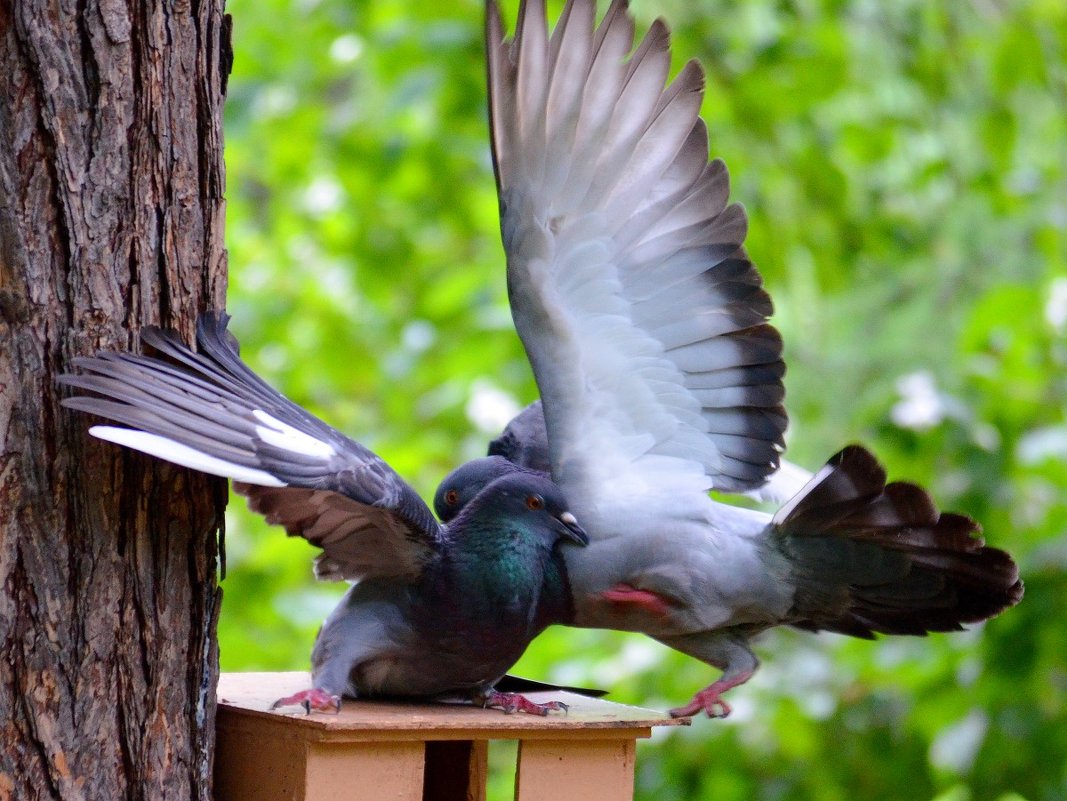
511, 703
708, 700
313, 699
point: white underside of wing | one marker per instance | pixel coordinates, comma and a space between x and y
629, 287
284, 436
171, 451
612, 402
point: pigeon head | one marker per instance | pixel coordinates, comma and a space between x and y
527, 501
462, 484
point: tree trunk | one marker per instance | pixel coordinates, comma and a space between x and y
111, 218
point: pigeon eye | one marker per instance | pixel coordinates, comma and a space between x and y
451, 497
535, 503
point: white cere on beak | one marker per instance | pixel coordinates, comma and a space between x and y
569, 519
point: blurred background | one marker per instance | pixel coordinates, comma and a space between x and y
904, 167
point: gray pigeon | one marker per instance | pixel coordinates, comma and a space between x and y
848, 554
524, 442
660, 378
436, 610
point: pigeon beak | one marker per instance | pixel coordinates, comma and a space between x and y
571, 530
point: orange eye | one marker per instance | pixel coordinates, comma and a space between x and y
451, 497
535, 502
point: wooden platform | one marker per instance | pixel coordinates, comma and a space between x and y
417, 752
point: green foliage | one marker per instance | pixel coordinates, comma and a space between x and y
903, 166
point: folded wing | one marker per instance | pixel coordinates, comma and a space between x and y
642, 316
209, 411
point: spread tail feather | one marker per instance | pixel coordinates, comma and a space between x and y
870, 557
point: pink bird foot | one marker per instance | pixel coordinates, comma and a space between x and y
319, 700
514, 702
709, 699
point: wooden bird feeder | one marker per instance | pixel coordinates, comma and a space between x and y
373, 751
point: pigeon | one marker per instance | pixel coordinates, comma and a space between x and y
435, 611
854, 555
660, 377
524, 442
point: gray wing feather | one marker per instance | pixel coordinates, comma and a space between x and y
335, 493
643, 317
357, 540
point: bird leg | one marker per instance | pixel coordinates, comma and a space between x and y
710, 698
319, 700
725, 649
514, 702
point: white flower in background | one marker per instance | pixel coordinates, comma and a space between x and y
956, 747
346, 49
490, 408
418, 336
1056, 307
1039, 444
274, 100
323, 196
921, 406
635, 657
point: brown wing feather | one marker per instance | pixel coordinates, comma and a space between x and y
357, 540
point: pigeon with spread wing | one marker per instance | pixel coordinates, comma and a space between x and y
660, 378
435, 610
646, 325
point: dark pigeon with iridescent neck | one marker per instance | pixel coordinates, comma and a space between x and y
436, 610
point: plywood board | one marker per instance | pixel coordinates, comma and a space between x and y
245, 699
589, 770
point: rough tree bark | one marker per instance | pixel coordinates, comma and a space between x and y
111, 218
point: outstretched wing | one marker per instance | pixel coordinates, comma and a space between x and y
524, 442
642, 316
210, 412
